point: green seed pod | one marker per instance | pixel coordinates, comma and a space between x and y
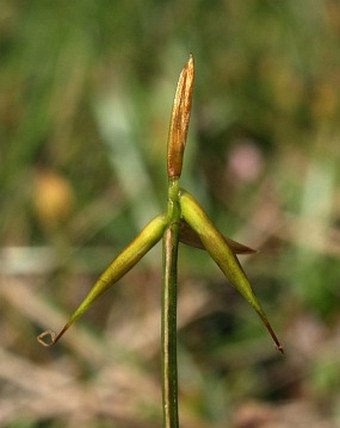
149, 236
222, 254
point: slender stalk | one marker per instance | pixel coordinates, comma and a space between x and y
169, 311
169, 329
178, 130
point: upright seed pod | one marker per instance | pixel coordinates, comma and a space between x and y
180, 117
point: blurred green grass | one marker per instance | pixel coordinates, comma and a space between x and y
85, 96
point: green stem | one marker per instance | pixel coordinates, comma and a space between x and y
169, 311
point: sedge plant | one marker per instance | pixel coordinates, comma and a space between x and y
184, 221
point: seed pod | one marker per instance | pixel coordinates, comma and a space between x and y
222, 254
180, 118
149, 236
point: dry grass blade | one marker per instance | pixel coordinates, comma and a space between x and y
189, 237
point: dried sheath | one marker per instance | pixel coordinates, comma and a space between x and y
189, 237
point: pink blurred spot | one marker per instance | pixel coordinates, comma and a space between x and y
245, 162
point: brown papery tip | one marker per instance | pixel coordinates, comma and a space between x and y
273, 335
49, 338
280, 348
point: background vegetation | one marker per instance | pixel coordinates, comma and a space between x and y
85, 95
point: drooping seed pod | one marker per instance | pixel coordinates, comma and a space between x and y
222, 254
